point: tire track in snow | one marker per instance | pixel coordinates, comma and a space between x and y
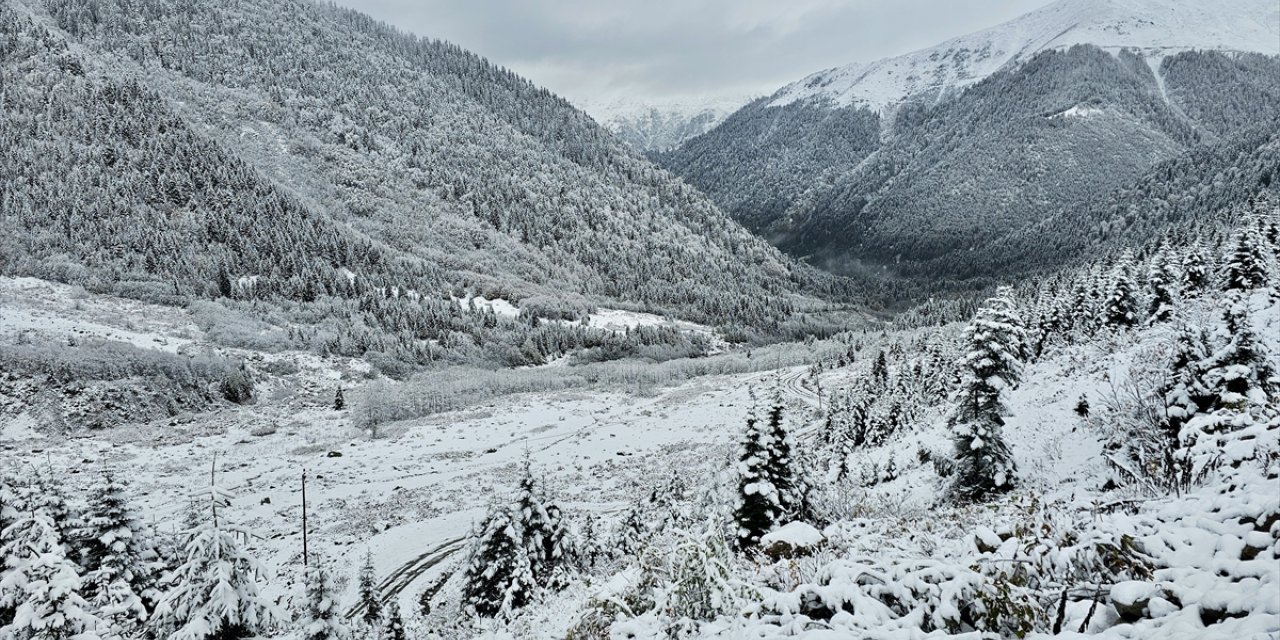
404, 575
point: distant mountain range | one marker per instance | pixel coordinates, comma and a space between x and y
942, 162
663, 125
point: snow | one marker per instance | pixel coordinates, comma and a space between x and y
619, 320
1153, 27
798, 535
49, 311
609, 110
1078, 111
21, 427
412, 495
1132, 592
498, 306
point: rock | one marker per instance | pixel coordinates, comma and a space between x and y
334, 454
1255, 543
1130, 599
986, 540
792, 540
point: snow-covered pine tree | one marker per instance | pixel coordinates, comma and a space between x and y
43, 589
1247, 266
322, 619
535, 526
497, 578
339, 401
213, 594
631, 534
120, 562
1091, 307
369, 603
395, 622
880, 369
781, 467
1184, 396
984, 463
12, 507
759, 506
1162, 281
589, 551
1266, 213
44, 494
1195, 271
1120, 308
559, 550
1239, 374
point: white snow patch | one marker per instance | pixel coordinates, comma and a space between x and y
799, 535
1078, 111
498, 306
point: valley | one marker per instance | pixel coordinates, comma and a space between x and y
316, 328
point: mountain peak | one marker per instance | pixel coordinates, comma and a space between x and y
1154, 27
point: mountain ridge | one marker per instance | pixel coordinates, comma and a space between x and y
931, 73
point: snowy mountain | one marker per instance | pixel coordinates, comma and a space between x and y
1021, 147
661, 126
1154, 28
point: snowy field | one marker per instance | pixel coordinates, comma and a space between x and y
415, 490
411, 495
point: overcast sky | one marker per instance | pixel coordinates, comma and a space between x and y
660, 51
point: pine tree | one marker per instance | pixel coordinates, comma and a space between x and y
323, 619
213, 594
369, 603
559, 551
12, 506
781, 467
1120, 309
339, 402
631, 535
880, 370
395, 622
497, 578
1239, 373
119, 559
1185, 396
984, 463
43, 589
538, 529
1195, 271
1246, 267
757, 507
1161, 279
45, 495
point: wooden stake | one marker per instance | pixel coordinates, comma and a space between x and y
304, 519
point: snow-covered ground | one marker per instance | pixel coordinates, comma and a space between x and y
415, 489
412, 494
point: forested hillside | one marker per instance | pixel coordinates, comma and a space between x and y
354, 179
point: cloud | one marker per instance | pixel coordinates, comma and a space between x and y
666, 50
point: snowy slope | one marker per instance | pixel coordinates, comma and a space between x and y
1155, 27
